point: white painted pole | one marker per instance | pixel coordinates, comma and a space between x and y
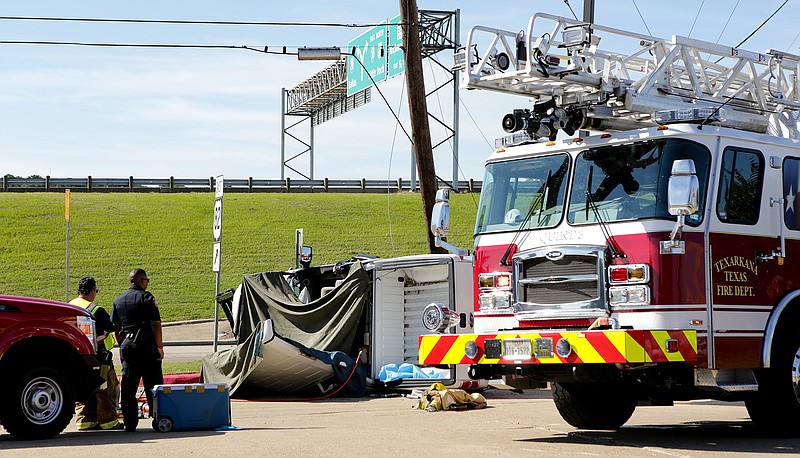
217, 232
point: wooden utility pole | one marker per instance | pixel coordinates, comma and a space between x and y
418, 112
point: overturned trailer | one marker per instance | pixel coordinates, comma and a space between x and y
305, 328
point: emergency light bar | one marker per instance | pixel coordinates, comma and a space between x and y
687, 115
515, 139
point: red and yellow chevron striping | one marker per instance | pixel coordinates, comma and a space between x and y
599, 346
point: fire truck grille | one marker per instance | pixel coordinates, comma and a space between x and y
573, 278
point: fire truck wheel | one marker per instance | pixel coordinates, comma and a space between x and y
39, 404
593, 406
778, 397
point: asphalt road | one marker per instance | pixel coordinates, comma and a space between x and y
511, 425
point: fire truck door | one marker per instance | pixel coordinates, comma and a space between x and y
790, 181
743, 233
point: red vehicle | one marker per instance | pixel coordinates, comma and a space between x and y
47, 361
654, 260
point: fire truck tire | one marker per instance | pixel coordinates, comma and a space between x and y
591, 406
777, 401
39, 404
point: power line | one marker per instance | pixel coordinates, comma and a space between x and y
763, 23
571, 10
282, 50
190, 22
728, 21
477, 127
795, 39
138, 45
389, 171
696, 16
642, 17
396, 117
757, 28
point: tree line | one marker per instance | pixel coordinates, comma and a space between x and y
31, 177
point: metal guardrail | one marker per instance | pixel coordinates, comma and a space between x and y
172, 184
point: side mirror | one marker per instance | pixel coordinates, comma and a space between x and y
440, 217
682, 197
440, 222
683, 188
305, 256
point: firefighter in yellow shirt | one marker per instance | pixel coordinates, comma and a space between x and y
100, 410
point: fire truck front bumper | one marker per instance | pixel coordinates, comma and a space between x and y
566, 347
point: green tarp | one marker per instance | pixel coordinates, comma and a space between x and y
328, 323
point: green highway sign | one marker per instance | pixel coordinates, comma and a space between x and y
396, 57
370, 49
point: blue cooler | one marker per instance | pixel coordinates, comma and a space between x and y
191, 407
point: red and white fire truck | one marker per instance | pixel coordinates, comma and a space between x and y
654, 260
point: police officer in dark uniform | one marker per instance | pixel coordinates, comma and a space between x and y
137, 325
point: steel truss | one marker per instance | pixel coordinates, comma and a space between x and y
323, 96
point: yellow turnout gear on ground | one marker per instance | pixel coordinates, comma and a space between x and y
437, 397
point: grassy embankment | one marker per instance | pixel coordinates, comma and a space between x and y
170, 235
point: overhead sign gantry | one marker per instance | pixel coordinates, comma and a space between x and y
371, 57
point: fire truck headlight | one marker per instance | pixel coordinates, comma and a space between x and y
618, 295
471, 349
629, 295
502, 300
494, 301
639, 295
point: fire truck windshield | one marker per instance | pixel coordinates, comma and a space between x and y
627, 182
514, 189
630, 181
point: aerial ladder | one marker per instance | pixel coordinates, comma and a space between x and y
574, 84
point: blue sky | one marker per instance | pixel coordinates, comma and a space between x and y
191, 113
